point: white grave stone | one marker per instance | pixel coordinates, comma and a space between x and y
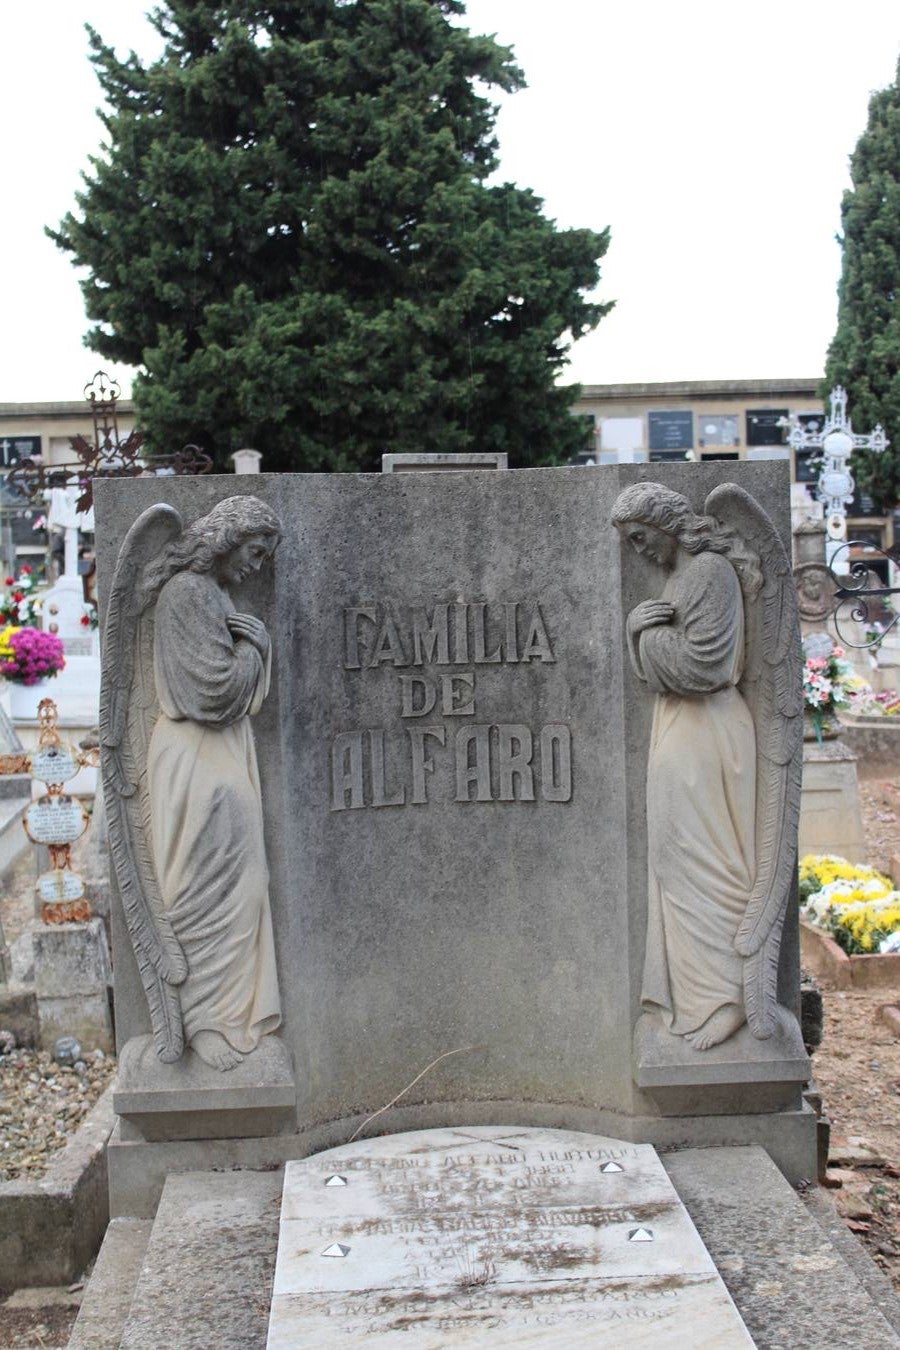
485, 1236
77, 687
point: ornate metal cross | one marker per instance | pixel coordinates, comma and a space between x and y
107, 457
836, 442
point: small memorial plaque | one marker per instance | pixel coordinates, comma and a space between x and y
486, 1236
766, 426
58, 885
718, 429
55, 820
671, 430
54, 763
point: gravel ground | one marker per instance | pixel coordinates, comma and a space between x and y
42, 1104
857, 1069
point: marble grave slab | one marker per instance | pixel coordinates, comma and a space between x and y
489, 1236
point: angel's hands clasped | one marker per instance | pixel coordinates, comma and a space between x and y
251, 629
650, 614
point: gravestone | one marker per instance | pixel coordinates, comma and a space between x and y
453, 759
487, 1237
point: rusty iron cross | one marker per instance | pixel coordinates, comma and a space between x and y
108, 456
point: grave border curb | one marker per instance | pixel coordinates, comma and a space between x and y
51, 1226
821, 956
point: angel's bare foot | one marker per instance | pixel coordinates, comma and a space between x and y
215, 1051
723, 1023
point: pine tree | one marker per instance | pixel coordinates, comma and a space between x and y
864, 355
291, 232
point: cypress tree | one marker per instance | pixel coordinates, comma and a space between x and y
289, 229
864, 354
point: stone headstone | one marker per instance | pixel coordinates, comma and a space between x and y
817, 646
72, 976
453, 759
438, 461
493, 1237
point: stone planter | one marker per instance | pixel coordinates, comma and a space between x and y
822, 956
24, 699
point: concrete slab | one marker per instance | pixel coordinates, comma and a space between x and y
789, 1278
485, 1236
207, 1275
107, 1300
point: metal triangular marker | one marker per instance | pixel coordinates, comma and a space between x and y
611, 1167
640, 1235
335, 1180
336, 1249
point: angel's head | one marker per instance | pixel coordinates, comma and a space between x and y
233, 539
653, 519
657, 521
238, 535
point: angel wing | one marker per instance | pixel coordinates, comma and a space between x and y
772, 688
128, 710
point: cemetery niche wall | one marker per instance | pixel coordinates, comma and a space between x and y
453, 769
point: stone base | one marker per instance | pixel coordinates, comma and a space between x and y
19, 1013
84, 1016
190, 1100
830, 813
742, 1074
796, 1275
71, 978
138, 1168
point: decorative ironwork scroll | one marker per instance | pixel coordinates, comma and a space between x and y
862, 596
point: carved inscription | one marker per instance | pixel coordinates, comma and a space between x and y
443, 758
522, 1234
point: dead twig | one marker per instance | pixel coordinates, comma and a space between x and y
463, 1049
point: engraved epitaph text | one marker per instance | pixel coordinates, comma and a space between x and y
439, 749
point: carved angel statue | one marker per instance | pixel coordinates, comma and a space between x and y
721, 650
183, 673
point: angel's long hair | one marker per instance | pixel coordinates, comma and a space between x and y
666, 510
214, 535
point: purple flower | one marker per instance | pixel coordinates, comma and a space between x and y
37, 655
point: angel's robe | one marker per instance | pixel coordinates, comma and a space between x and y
701, 795
206, 812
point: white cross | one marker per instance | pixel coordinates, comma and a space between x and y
836, 441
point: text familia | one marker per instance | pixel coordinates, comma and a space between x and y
434, 759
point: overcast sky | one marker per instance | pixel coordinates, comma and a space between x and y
712, 137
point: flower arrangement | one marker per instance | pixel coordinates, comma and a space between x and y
828, 684
89, 617
855, 905
27, 655
869, 704
22, 599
